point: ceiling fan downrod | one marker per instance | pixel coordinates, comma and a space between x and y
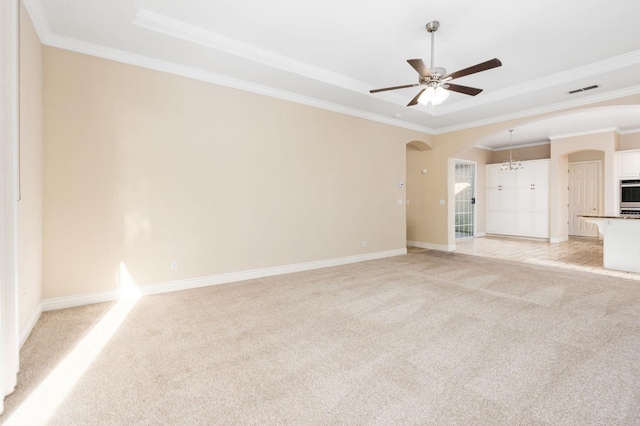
432, 27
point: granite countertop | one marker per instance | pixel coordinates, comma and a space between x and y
631, 216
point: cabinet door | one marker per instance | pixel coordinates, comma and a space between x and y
523, 176
493, 198
493, 222
629, 163
524, 197
540, 199
524, 224
494, 178
508, 223
508, 178
508, 199
541, 224
540, 173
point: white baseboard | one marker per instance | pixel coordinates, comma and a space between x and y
480, 234
431, 246
166, 287
79, 300
555, 240
28, 327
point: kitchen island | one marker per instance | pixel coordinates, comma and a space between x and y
621, 245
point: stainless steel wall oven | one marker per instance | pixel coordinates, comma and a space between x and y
630, 196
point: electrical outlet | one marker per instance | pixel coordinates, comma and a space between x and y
174, 265
364, 244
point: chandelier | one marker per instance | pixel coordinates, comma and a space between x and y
511, 164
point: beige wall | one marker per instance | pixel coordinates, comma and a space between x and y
587, 155
536, 152
417, 191
143, 168
629, 141
30, 204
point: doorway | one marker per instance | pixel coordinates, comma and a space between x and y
584, 197
465, 190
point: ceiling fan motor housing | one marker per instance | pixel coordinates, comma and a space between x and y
438, 72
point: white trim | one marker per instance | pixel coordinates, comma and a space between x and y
79, 300
39, 19
9, 110
589, 132
178, 29
556, 240
209, 77
166, 287
526, 145
28, 327
431, 246
481, 234
587, 100
150, 19
595, 68
194, 34
626, 132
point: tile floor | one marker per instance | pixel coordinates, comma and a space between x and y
584, 254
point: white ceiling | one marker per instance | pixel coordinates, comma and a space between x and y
330, 54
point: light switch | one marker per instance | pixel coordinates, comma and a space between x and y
399, 201
442, 202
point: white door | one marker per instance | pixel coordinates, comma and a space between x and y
584, 196
465, 193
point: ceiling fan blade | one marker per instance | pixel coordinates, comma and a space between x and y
415, 99
493, 63
419, 66
394, 88
472, 91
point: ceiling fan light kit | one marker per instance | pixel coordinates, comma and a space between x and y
436, 78
435, 96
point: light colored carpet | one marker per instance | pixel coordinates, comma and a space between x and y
426, 338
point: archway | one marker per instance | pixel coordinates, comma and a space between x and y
568, 132
416, 190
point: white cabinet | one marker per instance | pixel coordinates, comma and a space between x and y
501, 200
518, 201
628, 163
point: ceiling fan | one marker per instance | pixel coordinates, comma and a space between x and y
437, 80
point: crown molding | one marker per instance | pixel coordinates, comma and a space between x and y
178, 29
39, 19
209, 77
587, 100
590, 132
526, 145
601, 67
627, 132
159, 23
